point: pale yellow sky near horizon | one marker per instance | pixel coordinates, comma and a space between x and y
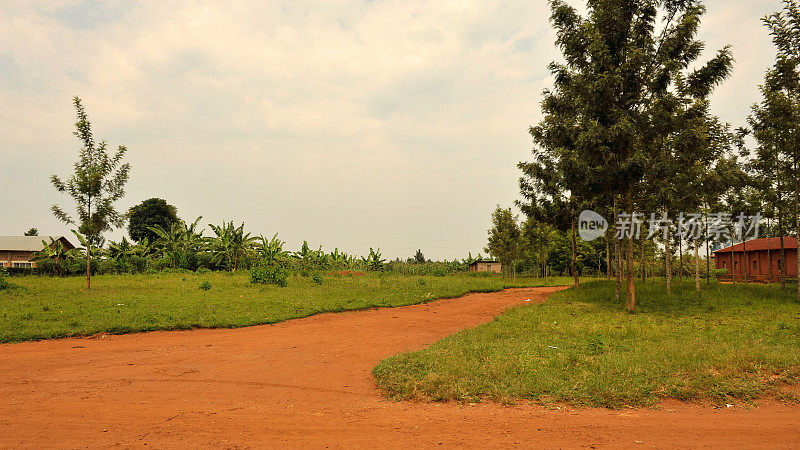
350, 124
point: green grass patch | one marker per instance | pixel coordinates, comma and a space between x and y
44, 307
724, 344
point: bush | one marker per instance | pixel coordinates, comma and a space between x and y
317, 277
269, 274
4, 284
205, 285
716, 273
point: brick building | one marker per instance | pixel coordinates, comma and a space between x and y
752, 259
17, 251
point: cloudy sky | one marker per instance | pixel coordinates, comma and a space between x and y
348, 123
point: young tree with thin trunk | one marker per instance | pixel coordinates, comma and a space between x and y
784, 83
504, 238
97, 182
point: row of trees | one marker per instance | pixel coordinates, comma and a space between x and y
539, 249
627, 127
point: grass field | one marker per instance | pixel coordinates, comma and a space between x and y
43, 307
725, 344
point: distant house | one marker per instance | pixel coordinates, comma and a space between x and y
486, 266
752, 259
17, 251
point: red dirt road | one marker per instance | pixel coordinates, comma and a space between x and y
308, 382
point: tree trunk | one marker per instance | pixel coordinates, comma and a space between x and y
680, 255
668, 259
608, 256
708, 254
733, 268
696, 266
797, 230
88, 264
630, 303
576, 281
744, 255
617, 256
769, 258
644, 260
783, 260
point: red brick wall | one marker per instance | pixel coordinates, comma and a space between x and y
8, 258
737, 261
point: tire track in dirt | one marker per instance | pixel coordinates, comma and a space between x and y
308, 382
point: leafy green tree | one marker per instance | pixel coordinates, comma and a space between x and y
419, 258
97, 182
773, 125
599, 121
537, 240
153, 212
783, 83
504, 238
32, 232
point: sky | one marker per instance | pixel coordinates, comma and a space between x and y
348, 123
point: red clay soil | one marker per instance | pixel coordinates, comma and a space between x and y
308, 383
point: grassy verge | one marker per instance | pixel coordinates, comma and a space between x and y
724, 344
42, 307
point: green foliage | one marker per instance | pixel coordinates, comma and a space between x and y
205, 285
151, 213
271, 250
179, 244
627, 119
317, 277
54, 257
504, 237
270, 274
32, 232
230, 245
419, 258
374, 261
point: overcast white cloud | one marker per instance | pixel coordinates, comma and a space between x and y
392, 124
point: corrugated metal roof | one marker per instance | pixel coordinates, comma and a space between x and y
26, 243
773, 243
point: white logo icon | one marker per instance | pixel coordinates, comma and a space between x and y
591, 225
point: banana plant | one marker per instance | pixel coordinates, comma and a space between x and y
305, 254
121, 250
176, 241
56, 252
272, 249
230, 244
374, 260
